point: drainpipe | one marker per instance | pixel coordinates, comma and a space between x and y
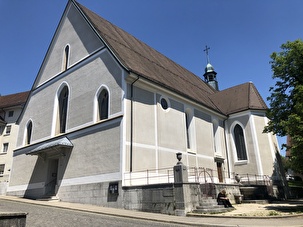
131, 124
226, 149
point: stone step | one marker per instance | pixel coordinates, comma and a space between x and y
49, 198
213, 211
209, 207
209, 202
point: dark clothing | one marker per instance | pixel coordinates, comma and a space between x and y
223, 200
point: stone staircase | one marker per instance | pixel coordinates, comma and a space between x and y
208, 205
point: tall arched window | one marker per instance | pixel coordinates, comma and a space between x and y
66, 57
103, 99
190, 132
240, 143
62, 104
29, 129
187, 121
216, 134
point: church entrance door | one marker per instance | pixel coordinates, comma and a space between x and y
219, 170
50, 187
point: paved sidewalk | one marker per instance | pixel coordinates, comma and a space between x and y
197, 220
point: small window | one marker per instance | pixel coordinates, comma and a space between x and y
103, 104
5, 148
29, 129
66, 57
2, 166
11, 113
8, 129
164, 104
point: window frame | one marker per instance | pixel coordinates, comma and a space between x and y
168, 105
10, 113
2, 168
63, 99
66, 56
103, 101
56, 110
8, 130
237, 153
97, 107
29, 132
5, 148
190, 130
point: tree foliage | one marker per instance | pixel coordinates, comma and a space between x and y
286, 99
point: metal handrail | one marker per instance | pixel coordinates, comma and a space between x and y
149, 176
200, 175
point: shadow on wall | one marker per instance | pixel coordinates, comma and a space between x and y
48, 173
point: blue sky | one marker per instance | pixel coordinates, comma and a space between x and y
241, 34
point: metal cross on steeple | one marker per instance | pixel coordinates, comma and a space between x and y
206, 51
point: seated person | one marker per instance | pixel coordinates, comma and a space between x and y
223, 200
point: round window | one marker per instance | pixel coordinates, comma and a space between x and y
164, 103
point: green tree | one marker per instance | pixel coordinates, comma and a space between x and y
286, 99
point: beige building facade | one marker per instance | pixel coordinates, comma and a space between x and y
10, 109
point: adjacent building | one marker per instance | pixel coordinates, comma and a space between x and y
107, 111
10, 109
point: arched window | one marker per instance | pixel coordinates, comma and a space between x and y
103, 99
190, 133
62, 104
66, 58
29, 129
240, 143
216, 135
187, 121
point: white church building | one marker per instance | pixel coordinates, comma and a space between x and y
107, 112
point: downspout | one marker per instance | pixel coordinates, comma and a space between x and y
226, 149
131, 124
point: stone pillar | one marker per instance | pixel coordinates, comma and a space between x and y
180, 192
180, 173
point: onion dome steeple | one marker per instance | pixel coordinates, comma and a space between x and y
210, 73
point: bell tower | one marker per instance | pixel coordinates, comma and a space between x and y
210, 74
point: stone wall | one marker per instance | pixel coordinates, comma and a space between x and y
173, 199
150, 198
107, 194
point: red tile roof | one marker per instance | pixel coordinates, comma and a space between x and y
13, 99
